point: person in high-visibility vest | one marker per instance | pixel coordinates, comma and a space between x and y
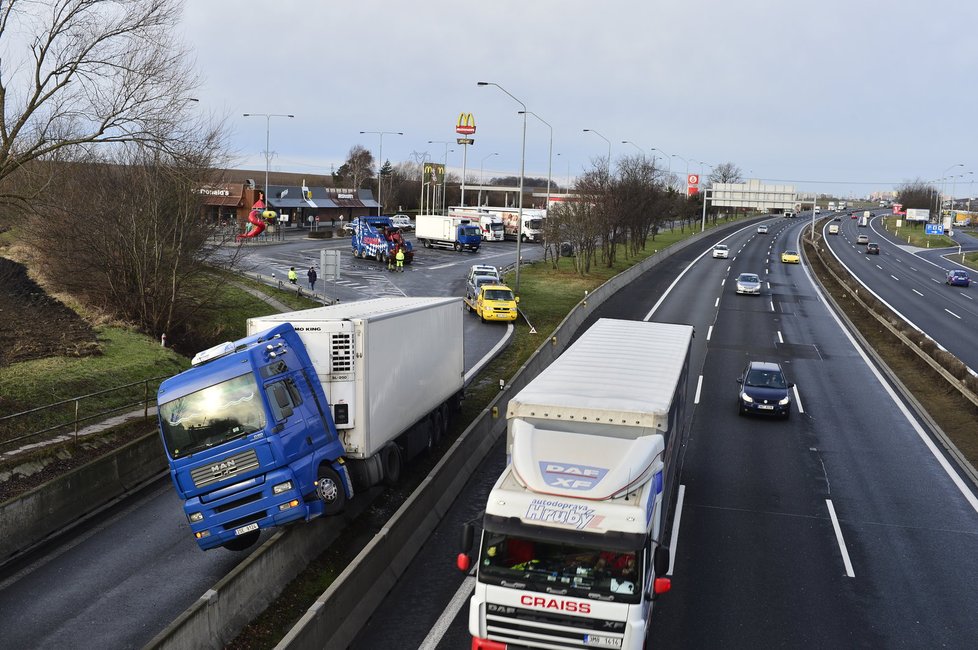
400, 258
293, 276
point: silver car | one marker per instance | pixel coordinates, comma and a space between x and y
749, 283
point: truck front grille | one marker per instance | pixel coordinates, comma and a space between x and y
225, 468
520, 627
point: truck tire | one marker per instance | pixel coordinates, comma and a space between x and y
393, 464
242, 542
458, 247
356, 253
426, 243
329, 489
382, 258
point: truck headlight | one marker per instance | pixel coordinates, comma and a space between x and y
746, 397
194, 517
282, 487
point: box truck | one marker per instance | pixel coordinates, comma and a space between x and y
451, 231
309, 408
573, 547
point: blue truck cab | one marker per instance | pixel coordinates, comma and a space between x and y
250, 439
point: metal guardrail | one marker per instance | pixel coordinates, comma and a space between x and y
74, 421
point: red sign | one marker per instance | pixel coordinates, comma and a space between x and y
693, 179
465, 124
692, 190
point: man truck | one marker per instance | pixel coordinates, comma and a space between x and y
449, 231
309, 408
573, 550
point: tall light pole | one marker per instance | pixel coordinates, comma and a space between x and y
380, 161
550, 154
686, 181
519, 228
609, 148
268, 154
640, 149
954, 186
940, 201
567, 190
444, 174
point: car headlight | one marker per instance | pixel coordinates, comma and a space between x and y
784, 401
282, 487
194, 517
747, 398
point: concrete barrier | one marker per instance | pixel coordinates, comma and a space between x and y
29, 519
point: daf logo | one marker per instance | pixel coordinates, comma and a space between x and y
500, 609
224, 468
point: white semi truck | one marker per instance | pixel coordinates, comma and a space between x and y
573, 550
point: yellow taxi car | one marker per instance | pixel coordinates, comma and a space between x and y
790, 257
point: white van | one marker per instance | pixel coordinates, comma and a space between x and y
833, 229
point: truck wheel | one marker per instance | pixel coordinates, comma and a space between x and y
426, 243
242, 542
381, 258
392, 464
356, 253
329, 489
458, 247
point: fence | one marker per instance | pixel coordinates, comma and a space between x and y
68, 416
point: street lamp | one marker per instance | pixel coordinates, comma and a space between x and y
519, 229
640, 150
380, 160
940, 203
687, 171
954, 186
268, 154
568, 172
444, 173
609, 147
550, 154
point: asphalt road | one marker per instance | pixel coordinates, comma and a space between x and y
911, 281
839, 527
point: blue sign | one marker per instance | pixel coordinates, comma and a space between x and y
934, 229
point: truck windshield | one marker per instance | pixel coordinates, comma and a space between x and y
572, 570
213, 415
499, 294
534, 224
472, 231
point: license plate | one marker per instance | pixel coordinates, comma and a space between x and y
599, 641
246, 529
766, 407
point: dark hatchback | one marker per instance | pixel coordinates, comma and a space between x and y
872, 248
958, 278
764, 390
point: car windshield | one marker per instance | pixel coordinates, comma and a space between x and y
570, 569
790, 253
720, 247
499, 294
213, 415
765, 379
749, 277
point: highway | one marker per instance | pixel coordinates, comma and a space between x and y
133, 569
911, 281
842, 526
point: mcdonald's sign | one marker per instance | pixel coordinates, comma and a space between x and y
466, 124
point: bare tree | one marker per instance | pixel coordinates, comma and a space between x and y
358, 168
917, 194
726, 173
80, 72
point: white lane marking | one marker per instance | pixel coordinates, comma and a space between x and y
451, 611
918, 293
953, 314
699, 389
798, 399
780, 338
772, 305
911, 268
717, 303
709, 333
840, 539
723, 282
935, 281
894, 277
966, 295
879, 267
674, 540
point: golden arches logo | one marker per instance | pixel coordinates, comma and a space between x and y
465, 124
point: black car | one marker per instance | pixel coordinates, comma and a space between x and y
872, 248
764, 390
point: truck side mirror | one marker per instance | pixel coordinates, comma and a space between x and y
463, 561
660, 560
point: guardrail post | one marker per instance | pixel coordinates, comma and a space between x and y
146, 399
76, 421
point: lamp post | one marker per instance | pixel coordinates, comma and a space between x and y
954, 187
550, 154
609, 148
567, 189
268, 154
686, 182
940, 202
444, 175
519, 229
380, 161
640, 150
482, 172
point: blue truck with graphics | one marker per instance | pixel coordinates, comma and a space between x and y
291, 421
574, 536
379, 238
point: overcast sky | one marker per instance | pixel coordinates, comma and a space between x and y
844, 96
